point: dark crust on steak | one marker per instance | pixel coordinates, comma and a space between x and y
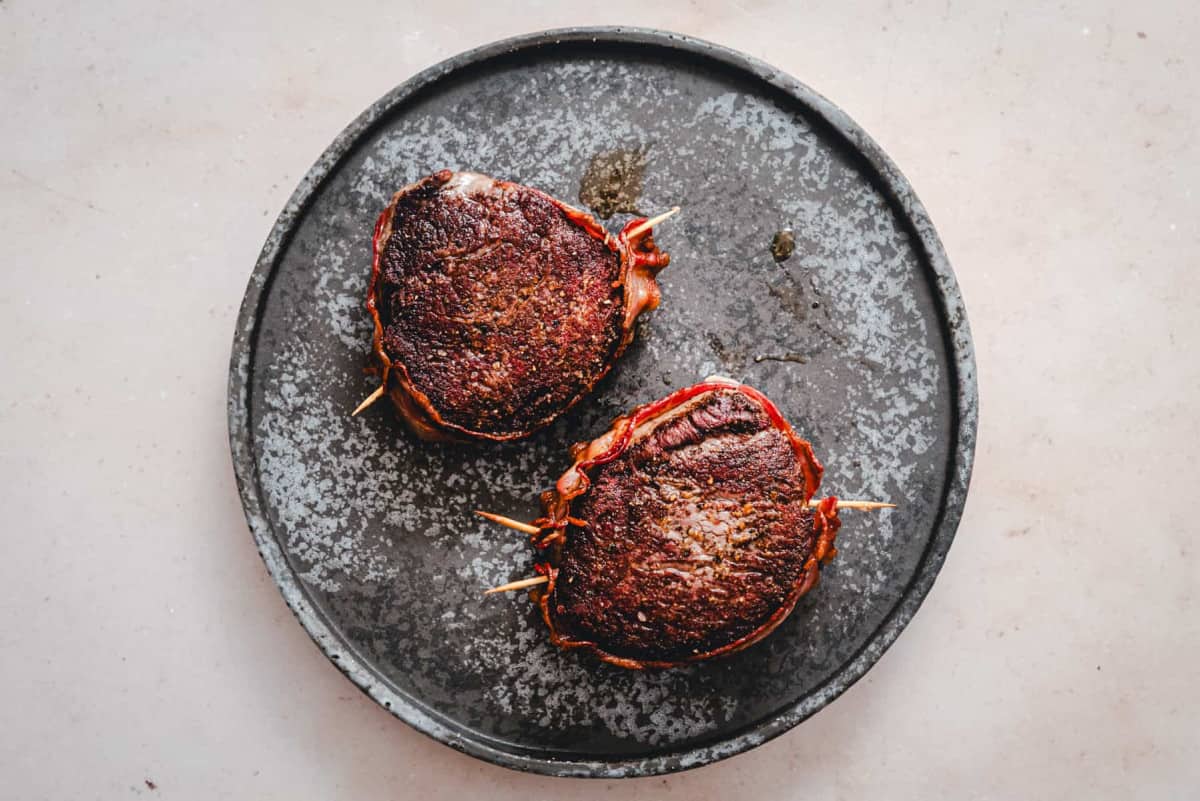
691, 535
497, 306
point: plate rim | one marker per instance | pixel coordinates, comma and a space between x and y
956, 331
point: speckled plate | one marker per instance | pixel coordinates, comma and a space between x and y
860, 338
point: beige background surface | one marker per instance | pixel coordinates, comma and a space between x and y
144, 153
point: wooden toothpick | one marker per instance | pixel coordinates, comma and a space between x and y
650, 223
865, 505
374, 396
518, 585
508, 521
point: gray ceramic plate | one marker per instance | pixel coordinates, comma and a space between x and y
860, 338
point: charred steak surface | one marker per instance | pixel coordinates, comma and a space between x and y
500, 306
695, 540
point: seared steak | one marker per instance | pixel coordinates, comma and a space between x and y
685, 532
497, 307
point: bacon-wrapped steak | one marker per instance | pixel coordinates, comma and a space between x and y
685, 532
498, 307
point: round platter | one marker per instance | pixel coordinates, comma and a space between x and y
860, 338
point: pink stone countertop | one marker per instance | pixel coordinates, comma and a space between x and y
147, 148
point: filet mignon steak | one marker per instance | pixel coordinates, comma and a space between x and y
685, 532
498, 307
